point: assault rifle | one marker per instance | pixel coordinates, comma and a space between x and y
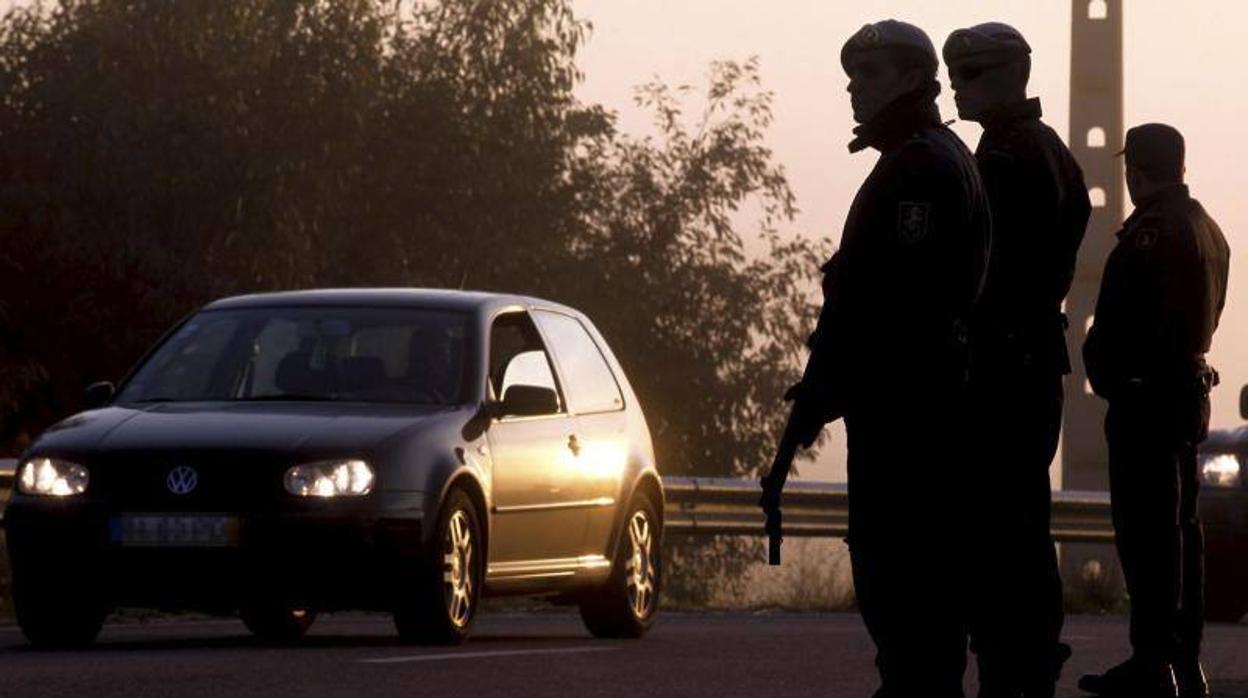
773, 482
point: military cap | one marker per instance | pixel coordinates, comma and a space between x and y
1155, 148
889, 34
990, 38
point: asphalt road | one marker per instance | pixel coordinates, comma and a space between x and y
544, 654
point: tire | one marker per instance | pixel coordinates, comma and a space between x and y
1225, 610
445, 585
1226, 578
55, 618
626, 605
1225, 603
277, 621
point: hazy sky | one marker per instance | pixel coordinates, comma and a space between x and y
1184, 66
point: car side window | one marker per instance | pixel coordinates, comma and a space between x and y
591, 386
518, 356
528, 368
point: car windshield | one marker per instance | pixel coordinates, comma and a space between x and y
315, 354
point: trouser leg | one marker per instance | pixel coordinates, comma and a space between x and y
921, 648
1018, 601
907, 581
1144, 493
1042, 607
1192, 607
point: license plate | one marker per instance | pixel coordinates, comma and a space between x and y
174, 531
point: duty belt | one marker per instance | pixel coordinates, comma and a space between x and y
1197, 374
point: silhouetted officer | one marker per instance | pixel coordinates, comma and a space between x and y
889, 354
1040, 210
1161, 297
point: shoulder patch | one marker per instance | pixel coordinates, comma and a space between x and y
912, 221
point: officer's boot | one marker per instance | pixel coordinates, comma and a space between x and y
1133, 679
1190, 676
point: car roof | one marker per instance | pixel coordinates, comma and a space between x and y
447, 299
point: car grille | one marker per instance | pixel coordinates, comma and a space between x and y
234, 481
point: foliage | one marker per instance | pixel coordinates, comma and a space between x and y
160, 154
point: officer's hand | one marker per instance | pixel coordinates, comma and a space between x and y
793, 393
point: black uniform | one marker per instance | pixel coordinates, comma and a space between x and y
1161, 297
1040, 210
890, 353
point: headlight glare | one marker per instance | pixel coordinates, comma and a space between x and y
340, 478
50, 477
1221, 470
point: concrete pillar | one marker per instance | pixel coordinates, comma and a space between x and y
1096, 133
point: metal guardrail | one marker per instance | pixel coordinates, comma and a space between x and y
728, 506
711, 506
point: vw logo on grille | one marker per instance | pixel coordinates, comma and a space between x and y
182, 480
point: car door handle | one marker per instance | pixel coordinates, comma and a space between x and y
574, 445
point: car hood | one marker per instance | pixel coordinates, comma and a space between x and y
261, 427
1226, 441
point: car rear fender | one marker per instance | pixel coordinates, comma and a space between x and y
646, 482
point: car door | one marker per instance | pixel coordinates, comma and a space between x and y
539, 522
600, 423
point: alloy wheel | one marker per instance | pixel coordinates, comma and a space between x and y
640, 570
457, 572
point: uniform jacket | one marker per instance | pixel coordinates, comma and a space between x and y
1161, 296
909, 269
1040, 210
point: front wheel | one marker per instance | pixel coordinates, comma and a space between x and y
1224, 603
625, 607
54, 616
1226, 579
446, 586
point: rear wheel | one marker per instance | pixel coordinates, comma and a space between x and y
446, 586
277, 621
625, 607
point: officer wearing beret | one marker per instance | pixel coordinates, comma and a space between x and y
1161, 296
1040, 210
890, 355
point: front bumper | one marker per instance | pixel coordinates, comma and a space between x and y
329, 554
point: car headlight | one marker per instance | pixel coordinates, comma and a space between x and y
336, 478
1220, 470
51, 477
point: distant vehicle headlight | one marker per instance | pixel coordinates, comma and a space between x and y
50, 477
1220, 470
336, 478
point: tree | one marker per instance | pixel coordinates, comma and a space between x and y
158, 155
711, 336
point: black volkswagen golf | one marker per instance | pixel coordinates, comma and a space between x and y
398, 450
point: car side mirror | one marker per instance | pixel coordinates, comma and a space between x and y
1243, 402
98, 394
527, 401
